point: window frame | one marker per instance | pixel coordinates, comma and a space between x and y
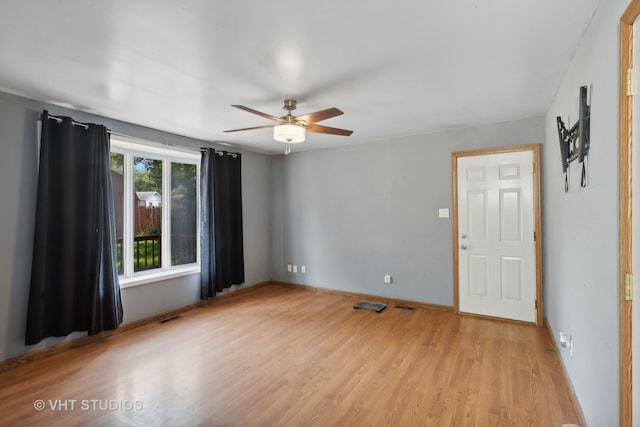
130, 149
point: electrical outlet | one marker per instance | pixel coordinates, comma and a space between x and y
566, 341
289, 268
303, 269
387, 279
295, 268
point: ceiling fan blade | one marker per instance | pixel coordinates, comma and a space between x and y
318, 116
260, 113
255, 127
327, 129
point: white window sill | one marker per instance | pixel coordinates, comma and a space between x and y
157, 276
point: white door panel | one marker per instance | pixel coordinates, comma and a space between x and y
496, 222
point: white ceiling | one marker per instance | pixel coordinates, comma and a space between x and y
395, 68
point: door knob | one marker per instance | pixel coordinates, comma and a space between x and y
463, 246
464, 236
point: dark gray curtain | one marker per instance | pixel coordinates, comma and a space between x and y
74, 278
222, 260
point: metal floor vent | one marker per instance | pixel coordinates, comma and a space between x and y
169, 319
367, 305
405, 307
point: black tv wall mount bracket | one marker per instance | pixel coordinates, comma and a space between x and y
574, 142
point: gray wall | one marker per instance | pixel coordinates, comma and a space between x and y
580, 227
18, 175
353, 214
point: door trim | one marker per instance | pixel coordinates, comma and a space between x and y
537, 217
625, 215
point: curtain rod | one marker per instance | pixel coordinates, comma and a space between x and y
86, 126
110, 132
73, 122
221, 152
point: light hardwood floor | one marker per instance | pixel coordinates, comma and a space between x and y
281, 356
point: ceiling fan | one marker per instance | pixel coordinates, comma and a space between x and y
290, 129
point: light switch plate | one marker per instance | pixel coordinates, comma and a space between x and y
443, 213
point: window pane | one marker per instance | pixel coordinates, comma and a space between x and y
117, 188
183, 214
147, 177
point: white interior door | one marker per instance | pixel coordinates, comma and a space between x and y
496, 242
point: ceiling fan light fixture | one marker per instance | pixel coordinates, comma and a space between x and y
289, 133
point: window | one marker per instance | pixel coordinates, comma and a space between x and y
155, 191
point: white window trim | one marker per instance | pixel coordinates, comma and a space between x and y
139, 148
153, 276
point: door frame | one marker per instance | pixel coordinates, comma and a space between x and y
536, 211
627, 20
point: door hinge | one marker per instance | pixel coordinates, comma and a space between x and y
534, 236
628, 287
632, 78
536, 304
